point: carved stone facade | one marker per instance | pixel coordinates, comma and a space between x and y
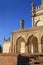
27, 40
6, 46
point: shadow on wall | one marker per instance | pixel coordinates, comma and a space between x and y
22, 60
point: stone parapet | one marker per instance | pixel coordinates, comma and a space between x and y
11, 59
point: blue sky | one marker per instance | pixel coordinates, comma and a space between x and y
11, 12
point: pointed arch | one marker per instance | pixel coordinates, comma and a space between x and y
20, 45
42, 44
32, 44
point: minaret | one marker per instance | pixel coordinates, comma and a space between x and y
33, 13
22, 24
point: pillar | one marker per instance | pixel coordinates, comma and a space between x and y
31, 48
39, 44
39, 47
15, 49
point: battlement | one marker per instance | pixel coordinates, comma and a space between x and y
38, 8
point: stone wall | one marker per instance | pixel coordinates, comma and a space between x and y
26, 34
8, 59
6, 46
12, 59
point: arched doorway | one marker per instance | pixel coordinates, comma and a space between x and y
20, 45
32, 44
42, 44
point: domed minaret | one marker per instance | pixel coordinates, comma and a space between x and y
37, 15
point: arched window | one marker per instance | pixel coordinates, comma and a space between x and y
20, 45
32, 44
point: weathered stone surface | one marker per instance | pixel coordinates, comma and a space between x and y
12, 59
8, 59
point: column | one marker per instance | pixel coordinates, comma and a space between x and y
26, 49
39, 44
15, 49
31, 48
39, 47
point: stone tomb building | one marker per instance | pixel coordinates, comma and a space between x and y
27, 40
